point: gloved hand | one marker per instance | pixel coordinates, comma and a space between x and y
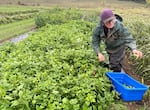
137, 53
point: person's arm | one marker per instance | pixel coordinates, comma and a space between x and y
96, 40
130, 42
127, 37
96, 43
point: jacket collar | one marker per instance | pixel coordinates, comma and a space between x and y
114, 29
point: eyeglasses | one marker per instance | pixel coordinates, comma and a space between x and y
108, 22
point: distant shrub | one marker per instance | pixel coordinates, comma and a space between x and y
20, 3
57, 16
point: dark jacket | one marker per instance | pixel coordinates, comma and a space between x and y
116, 37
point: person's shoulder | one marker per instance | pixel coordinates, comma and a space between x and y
98, 26
118, 24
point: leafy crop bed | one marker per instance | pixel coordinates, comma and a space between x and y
53, 70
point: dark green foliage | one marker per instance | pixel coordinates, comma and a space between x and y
57, 16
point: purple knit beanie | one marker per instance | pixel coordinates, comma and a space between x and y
106, 15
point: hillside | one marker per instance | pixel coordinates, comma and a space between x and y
73, 3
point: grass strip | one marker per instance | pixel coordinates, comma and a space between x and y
15, 28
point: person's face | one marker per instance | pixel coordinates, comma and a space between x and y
110, 24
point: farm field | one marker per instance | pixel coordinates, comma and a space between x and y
55, 68
16, 20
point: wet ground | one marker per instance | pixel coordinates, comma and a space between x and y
19, 38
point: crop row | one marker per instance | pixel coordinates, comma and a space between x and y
8, 19
10, 14
13, 10
54, 69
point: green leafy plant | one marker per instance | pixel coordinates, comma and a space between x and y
53, 69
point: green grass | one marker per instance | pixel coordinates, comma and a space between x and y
13, 9
16, 28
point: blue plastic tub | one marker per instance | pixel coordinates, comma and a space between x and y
128, 88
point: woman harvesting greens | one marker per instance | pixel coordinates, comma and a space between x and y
116, 37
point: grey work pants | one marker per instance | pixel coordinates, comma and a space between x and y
116, 59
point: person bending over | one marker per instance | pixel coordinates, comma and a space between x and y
116, 37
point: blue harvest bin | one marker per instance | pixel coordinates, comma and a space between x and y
128, 88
